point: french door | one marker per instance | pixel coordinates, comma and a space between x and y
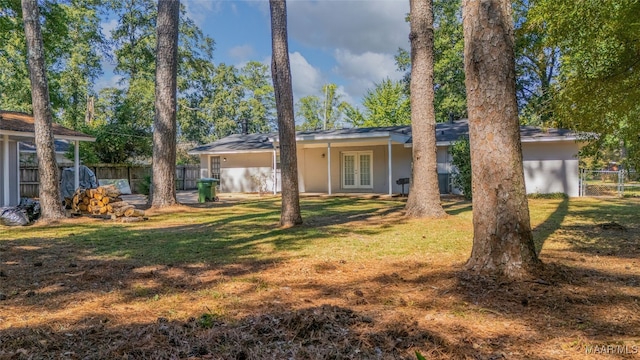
214, 166
357, 168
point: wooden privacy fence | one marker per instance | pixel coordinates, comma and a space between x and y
137, 175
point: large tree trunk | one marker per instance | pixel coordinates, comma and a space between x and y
49, 194
424, 192
164, 126
502, 241
281, 74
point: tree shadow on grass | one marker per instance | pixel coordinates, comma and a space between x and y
386, 312
598, 227
572, 308
553, 222
174, 259
457, 207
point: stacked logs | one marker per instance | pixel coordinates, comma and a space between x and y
104, 200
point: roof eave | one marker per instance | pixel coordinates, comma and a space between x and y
24, 134
524, 140
75, 138
310, 138
549, 139
226, 152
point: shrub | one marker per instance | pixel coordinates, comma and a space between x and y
145, 185
556, 195
461, 159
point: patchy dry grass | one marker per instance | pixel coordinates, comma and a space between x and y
356, 281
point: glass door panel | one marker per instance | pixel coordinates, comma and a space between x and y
365, 170
349, 173
357, 170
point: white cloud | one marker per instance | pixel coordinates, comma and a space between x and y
107, 27
112, 81
360, 26
306, 79
364, 70
344, 96
234, 9
199, 10
242, 52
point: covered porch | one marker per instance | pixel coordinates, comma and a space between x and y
350, 161
16, 127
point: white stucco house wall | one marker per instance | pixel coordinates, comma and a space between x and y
371, 160
16, 127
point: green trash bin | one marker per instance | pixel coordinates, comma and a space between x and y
207, 189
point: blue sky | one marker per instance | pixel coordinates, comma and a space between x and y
347, 42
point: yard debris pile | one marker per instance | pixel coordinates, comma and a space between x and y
13, 216
25, 213
611, 226
320, 332
105, 201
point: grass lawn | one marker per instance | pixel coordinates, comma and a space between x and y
357, 281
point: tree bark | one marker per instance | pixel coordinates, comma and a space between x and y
164, 125
50, 200
281, 74
502, 240
424, 192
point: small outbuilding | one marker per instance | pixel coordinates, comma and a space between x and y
17, 127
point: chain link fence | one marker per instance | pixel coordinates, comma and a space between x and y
619, 183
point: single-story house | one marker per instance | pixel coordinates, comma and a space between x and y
372, 160
16, 127
61, 147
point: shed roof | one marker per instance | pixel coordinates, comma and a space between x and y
22, 124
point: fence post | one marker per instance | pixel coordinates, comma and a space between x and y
621, 183
580, 182
129, 176
184, 177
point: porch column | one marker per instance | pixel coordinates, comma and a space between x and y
390, 172
76, 165
275, 173
5, 170
329, 168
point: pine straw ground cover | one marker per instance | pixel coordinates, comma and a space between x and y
356, 281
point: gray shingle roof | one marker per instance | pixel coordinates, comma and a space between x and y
445, 133
403, 129
238, 142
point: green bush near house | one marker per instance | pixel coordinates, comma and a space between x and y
461, 159
556, 195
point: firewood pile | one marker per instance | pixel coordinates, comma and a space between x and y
104, 201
